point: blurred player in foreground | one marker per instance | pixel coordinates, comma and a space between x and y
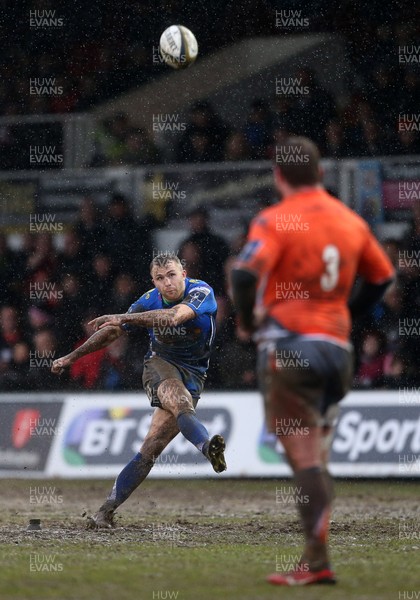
291, 286
179, 314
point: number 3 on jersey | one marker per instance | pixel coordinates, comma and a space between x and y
331, 258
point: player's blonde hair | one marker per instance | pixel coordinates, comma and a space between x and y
163, 258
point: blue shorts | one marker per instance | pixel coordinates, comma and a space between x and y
157, 369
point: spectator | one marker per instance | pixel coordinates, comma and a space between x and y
353, 131
123, 293
411, 240
334, 144
9, 143
214, 250
10, 335
257, 131
70, 259
40, 377
10, 331
38, 319
409, 267
373, 139
14, 378
199, 148
317, 101
139, 149
204, 137
87, 93
397, 373
409, 281
387, 313
9, 274
68, 312
128, 243
22, 255
411, 92
110, 140
43, 292
115, 371
191, 259
279, 137
371, 366
282, 118
100, 283
43, 256
84, 373
236, 147
67, 101
89, 229
407, 142
383, 95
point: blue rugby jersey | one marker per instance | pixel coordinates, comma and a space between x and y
189, 344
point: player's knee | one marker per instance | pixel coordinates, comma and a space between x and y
302, 451
185, 404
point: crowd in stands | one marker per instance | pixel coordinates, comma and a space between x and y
48, 297
387, 339
99, 52
359, 129
96, 51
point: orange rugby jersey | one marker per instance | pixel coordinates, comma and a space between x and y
306, 251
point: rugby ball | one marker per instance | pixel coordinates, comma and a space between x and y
178, 47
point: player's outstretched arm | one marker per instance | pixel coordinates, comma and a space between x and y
164, 316
97, 341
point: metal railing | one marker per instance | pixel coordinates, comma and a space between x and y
233, 190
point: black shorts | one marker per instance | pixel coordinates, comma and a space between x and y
317, 371
157, 369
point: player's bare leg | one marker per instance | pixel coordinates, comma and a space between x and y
327, 433
176, 399
162, 431
303, 445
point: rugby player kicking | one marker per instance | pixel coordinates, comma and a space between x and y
179, 314
291, 286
